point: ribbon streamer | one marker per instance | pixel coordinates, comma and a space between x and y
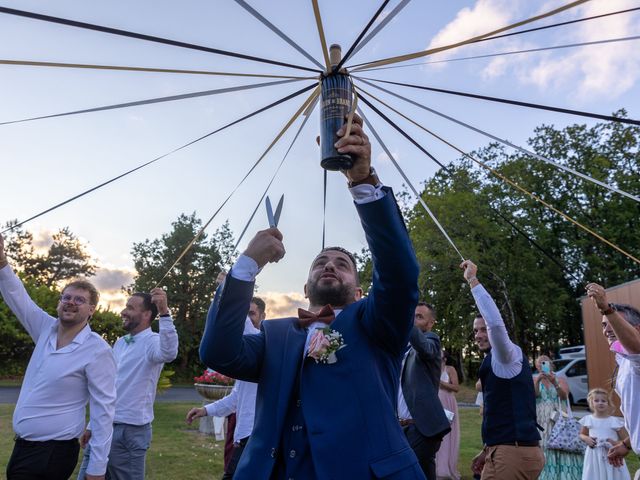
423, 53
560, 24
550, 108
148, 38
362, 34
30, 63
451, 173
82, 194
413, 189
506, 142
513, 52
514, 184
155, 100
381, 25
323, 41
302, 108
306, 114
278, 32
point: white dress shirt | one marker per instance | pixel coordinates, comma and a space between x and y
139, 365
628, 389
506, 356
241, 400
403, 409
58, 383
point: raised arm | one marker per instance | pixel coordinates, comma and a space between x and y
627, 334
165, 350
426, 345
30, 315
224, 348
504, 351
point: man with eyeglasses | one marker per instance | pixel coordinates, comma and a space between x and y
70, 367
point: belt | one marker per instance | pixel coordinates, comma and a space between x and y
518, 444
406, 421
18, 439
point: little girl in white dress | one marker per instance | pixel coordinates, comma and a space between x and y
600, 431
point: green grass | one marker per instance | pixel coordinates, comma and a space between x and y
179, 451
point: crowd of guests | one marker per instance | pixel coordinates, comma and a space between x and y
355, 387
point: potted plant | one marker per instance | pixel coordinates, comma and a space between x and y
213, 385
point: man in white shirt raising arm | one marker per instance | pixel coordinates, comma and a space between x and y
509, 428
140, 356
70, 366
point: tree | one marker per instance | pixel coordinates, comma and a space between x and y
190, 285
66, 257
537, 298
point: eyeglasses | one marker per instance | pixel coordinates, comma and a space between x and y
77, 300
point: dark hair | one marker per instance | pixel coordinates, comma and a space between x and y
630, 314
348, 254
429, 306
83, 284
259, 303
147, 304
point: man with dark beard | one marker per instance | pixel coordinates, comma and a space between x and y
140, 356
509, 427
328, 380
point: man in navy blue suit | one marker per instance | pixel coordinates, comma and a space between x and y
323, 412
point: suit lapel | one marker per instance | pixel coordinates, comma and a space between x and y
291, 362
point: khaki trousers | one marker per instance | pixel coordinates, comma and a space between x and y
513, 463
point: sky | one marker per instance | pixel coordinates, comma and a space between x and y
46, 161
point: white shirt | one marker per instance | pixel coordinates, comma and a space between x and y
628, 389
241, 400
403, 409
506, 356
58, 383
139, 365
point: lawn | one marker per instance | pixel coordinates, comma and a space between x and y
180, 452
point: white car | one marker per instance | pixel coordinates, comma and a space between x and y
574, 371
577, 351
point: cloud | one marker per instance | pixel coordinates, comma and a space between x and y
109, 282
283, 304
604, 70
483, 17
607, 70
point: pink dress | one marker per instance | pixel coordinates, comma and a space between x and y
447, 456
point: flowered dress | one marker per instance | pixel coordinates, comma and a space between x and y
596, 464
558, 465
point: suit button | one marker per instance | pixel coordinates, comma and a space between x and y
295, 428
273, 453
292, 453
298, 403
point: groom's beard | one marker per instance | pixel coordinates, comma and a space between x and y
337, 295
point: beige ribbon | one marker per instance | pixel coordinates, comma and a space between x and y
302, 108
510, 182
323, 41
423, 53
142, 69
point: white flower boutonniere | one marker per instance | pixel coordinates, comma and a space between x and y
324, 344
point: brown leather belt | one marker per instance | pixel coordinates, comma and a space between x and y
406, 421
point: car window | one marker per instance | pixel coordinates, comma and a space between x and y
560, 364
577, 369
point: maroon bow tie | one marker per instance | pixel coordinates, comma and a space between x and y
325, 315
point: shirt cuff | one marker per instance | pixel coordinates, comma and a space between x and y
165, 321
366, 193
245, 269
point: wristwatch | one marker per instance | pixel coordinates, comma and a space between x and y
371, 179
609, 310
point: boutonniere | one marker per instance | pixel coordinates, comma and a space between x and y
324, 344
